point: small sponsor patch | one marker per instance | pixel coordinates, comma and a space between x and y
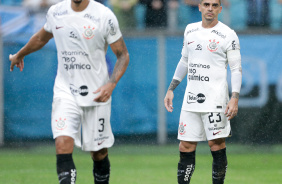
113, 30
82, 90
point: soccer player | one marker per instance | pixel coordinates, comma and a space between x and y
82, 30
208, 47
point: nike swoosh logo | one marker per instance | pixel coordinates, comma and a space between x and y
62, 179
99, 143
190, 42
59, 27
216, 133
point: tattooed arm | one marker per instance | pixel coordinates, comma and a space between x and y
169, 95
174, 83
120, 50
179, 74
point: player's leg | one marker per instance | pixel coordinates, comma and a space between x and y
191, 130
219, 165
101, 166
97, 137
217, 128
66, 129
65, 166
186, 164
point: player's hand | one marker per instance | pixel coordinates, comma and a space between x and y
15, 60
105, 92
231, 108
168, 100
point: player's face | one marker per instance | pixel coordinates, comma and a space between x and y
210, 9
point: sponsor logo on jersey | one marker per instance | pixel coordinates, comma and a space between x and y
190, 42
82, 90
213, 45
73, 35
233, 45
61, 124
216, 128
216, 133
196, 65
199, 47
88, 32
100, 139
192, 98
59, 27
91, 17
60, 13
198, 78
219, 34
192, 30
113, 30
71, 65
193, 71
182, 128
74, 53
99, 143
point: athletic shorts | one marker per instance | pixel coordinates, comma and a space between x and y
202, 126
89, 126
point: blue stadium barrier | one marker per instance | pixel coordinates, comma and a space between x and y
28, 94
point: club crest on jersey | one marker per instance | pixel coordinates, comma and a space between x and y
213, 45
182, 128
61, 124
88, 32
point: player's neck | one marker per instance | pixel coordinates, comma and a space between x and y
78, 7
209, 24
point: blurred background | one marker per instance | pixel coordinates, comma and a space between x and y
153, 32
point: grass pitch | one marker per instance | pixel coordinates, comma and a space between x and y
143, 164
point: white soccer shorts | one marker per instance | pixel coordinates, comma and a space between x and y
202, 126
89, 126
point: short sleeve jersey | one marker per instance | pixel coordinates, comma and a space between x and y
206, 50
82, 40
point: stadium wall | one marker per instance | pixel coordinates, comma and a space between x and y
28, 94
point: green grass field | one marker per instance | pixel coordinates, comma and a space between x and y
143, 164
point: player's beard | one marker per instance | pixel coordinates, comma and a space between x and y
77, 1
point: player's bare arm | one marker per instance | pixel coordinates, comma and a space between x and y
169, 95
36, 42
232, 106
120, 50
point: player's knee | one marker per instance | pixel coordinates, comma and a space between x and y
64, 145
99, 155
217, 144
187, 146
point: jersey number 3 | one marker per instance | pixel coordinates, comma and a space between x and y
102, 120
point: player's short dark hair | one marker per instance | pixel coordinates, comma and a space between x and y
219, 1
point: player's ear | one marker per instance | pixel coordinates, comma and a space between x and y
199, 6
